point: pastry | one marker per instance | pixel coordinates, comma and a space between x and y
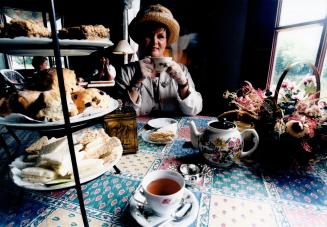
90, 32
91, 97
164, 134
114, 147
28, 28
161, 136
48, 79
51, 110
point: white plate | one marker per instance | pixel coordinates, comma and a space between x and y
153, 220
19, 41
99, 85
145, 137
18, 164
34, 46
161, 122
22, 121
102, 81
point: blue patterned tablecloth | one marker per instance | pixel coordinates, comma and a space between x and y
242, 195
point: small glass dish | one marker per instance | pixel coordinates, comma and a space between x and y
191, 172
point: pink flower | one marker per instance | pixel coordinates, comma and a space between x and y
309, 80
322, 104
313, 111
284, 84
301, 106
306, 147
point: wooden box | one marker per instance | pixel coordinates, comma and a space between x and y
122, 124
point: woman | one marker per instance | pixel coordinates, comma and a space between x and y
141, 87
40, 63
104, 71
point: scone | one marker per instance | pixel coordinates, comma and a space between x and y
90, 32
28, 28
91, 97
42, 105
48, 79
52, 109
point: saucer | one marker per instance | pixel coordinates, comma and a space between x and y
144, 215
161, 122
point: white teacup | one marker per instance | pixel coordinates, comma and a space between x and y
161, 63
163, 191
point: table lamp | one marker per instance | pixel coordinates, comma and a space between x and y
123, 48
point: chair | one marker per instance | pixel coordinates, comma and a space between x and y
10, 81
3, 143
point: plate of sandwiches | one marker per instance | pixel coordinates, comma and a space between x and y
162, 135
47, 163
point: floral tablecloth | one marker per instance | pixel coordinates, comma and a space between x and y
242, 195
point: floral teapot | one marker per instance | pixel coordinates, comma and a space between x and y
221, 143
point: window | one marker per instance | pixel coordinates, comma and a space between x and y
300, 35
25, 62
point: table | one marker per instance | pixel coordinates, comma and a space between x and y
242, 195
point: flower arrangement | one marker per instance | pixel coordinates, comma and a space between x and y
293, 116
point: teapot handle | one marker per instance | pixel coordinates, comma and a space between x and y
255, 140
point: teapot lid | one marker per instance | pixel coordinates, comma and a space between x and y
223, 124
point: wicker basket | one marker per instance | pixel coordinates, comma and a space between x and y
281, 79
284, 151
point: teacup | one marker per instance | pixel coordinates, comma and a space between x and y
161, 63
163, 191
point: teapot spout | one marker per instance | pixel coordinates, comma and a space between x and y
195, 134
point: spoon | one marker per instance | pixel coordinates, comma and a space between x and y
178, 216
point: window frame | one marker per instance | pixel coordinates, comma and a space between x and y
9, 57
321, 53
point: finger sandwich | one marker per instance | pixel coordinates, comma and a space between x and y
37, 175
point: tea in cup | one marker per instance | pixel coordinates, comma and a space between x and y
161, 63
163, 191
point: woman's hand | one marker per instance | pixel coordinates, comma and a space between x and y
147, 70
176, 73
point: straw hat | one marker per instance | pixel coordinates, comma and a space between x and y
154, 13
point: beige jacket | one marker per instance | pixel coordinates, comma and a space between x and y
169, 100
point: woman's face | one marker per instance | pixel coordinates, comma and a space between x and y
154, 43
44, 65
104, 61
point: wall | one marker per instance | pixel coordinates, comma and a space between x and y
258, 41
222, 40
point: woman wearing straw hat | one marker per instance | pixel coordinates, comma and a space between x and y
146, 89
